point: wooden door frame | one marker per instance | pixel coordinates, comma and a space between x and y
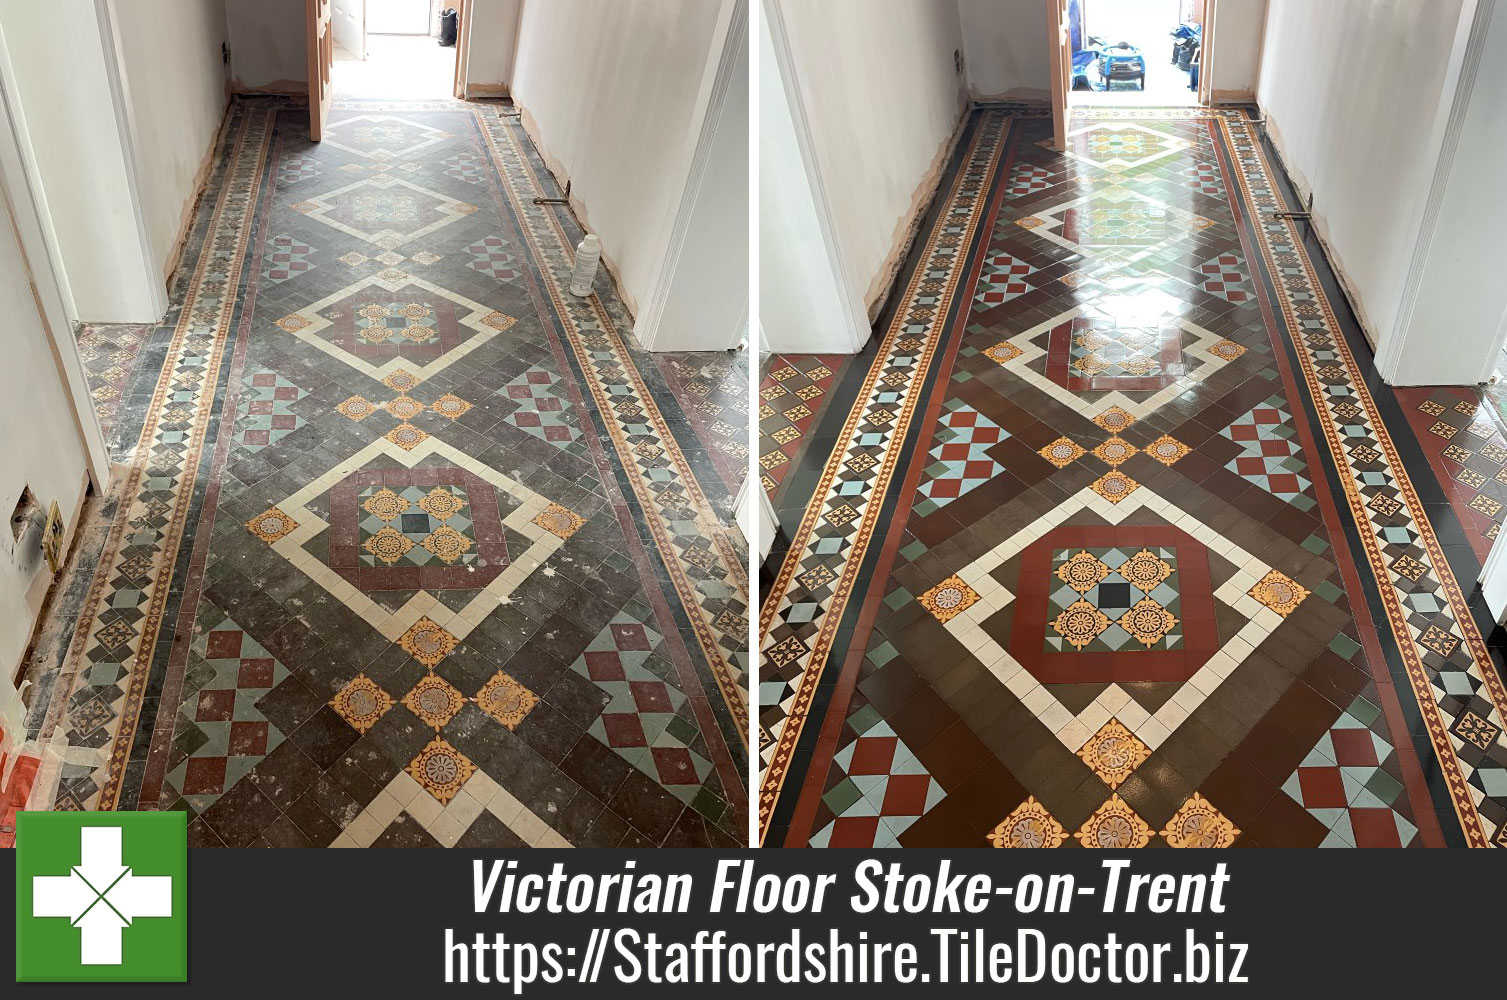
462, 47
320, 82
1059, 48
1206, 58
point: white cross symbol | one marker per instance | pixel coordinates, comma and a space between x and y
101, 896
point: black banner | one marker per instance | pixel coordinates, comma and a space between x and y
628, 923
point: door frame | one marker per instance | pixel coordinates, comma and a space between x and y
1059, 48
858, 328
1206, 57
19, 200
1060, 56
462, 47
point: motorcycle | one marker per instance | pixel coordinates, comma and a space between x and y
1186, 39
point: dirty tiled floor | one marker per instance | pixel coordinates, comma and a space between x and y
407, 546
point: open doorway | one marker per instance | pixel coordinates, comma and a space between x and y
1136, 52
395, 49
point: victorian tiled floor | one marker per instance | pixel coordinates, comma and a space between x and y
1117, 539
406, 545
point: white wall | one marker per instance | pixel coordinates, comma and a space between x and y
493, 42
1239, 26
805, 305
882, 101
175, 87
1005, 49
268, 51
1459, 299
62, 99
1364, 141
48, 456
701, 300
609, 94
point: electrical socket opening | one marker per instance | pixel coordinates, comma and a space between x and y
26, 507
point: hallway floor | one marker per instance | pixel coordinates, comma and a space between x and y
406, 546
1115, 539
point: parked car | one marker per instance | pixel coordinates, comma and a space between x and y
1122, 62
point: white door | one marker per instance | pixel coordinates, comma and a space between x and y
397, 17
349, 24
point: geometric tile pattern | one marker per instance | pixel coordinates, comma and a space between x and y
1226, 276
1027, 178
424, 331
961, 456
1063, 713
1269, 454
1117, 226
798, 621
1204, 178
111, 355
1037, 345
1345, 784
490, 256
542, 409
119, 623
882, 789
419, 571
221, 733
705, 559
1255, 646
1002, 279
646, 719
1447, 664
384, 210
267, 415
792, 392
714, 393
1120, 146
285, 258
1112, 599
384, 138
464, 167
1466, 446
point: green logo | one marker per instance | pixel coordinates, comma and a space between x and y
101, 897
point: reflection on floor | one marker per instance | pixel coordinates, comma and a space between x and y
407, 546
396, 67
1122, 542
793, 394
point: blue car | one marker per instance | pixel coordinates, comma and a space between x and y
1122, 62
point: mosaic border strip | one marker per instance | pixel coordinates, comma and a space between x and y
691, 538
1365, 453
889, 404
161, 479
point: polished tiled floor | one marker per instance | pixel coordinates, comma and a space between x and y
793, 395
406, 546
1116, 540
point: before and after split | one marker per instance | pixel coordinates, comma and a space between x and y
755, 423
